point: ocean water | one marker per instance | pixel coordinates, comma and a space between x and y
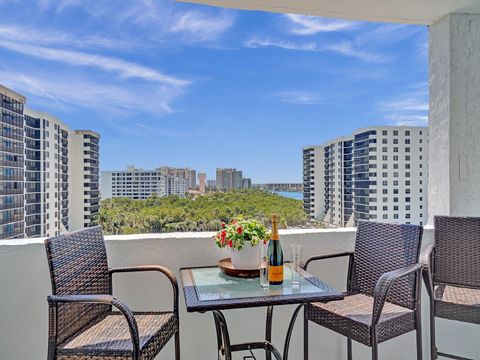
289, 194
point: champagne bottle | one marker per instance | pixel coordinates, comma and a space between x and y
275, 255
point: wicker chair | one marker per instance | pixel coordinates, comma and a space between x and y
383, 288
452, 273
82, 324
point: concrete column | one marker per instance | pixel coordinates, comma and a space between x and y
454, 130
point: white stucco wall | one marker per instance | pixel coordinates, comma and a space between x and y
24, 285
454, 167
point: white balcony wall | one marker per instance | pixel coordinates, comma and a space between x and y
25, 284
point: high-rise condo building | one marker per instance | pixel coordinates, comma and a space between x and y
202, 177
377, 173
12, 162
137, 183
183, 173
44, 173
228, 179
85, 177
246, 183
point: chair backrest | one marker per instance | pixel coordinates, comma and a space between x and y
382, 247
457, 250
78, 266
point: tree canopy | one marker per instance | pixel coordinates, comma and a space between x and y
203, 213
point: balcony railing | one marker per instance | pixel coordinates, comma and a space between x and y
25, 284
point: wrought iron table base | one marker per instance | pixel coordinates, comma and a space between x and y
225, 348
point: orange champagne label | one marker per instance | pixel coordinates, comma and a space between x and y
275, 273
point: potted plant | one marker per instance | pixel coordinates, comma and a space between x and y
241, 237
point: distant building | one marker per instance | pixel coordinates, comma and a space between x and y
291, 187
39, 194
246, 183
201, 180
211, 183
183, 173
228, 179
136, 183
377, 173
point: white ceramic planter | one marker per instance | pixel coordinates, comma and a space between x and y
246, 259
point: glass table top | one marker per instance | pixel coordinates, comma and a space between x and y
212, 284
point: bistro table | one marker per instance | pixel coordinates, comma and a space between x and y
209, 289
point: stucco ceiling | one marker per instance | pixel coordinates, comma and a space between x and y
400, 11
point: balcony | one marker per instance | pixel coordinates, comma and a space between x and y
25, 285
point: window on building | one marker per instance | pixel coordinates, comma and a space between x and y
395, 199
384, 141
395, 133
395, 141
384, 132
407, 132
395, 216
407, 199
384, 157
385, 216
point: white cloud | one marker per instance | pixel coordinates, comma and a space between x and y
298, 97
125, 69
404, 104
409, 109
343, 48
58, 91
283, 44
310, 25
348, 49
16, 33
199, 26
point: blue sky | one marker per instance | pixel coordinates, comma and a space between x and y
168, 83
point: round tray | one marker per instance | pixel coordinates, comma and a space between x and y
227, 267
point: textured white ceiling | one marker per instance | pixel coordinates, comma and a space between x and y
400, 11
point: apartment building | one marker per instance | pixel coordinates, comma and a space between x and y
85, 177
37, 168
313, 181
183, 173
377, 173
228, 179
12, 161
137, 183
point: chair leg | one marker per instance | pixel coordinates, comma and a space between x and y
305, 333
349, 349
433, 345
177, 345
419, 343
374, 351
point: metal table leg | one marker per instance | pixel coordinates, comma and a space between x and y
290, 331
268, 331
225, 348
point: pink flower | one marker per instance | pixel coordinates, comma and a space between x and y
223, 225
239, 230
230, 243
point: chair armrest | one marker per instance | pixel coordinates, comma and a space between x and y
163, 270
384, 284
108, 300
426, 261
308, 260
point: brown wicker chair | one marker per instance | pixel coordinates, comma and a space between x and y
82, 324
383, 288
452, 273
